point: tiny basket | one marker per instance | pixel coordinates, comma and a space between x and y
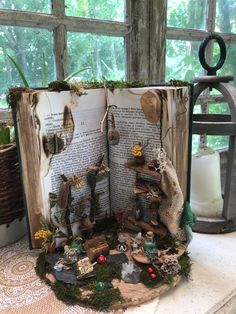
11, 200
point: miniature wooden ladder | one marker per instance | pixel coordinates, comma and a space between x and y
218, 124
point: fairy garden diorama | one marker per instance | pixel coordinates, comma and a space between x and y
135, 251
101, 263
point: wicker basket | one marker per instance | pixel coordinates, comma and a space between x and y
11, 200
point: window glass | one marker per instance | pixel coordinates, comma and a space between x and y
225, 16
28, 47
187, 14
219, 108
113, 10
217, 142
229, 65
27, 5
182, 60
103, 54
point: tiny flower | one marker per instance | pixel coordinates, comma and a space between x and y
46, 235
78, 182
136, 150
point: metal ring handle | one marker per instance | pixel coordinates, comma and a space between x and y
211, 70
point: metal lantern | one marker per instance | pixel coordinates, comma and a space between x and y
207, 191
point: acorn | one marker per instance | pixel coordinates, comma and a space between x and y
113, 133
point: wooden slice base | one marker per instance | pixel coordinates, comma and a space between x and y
136, 294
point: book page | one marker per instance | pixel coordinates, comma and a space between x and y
76, 121
134, 128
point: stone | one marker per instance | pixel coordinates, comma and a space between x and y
50, 277
130, 273
119, 258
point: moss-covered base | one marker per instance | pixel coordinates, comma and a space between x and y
107, 298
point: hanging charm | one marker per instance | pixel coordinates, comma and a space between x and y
113, 133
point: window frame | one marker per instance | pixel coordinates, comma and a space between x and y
186, 34
60, 24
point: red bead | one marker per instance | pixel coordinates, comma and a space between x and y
153, 276
150, 270
101, 259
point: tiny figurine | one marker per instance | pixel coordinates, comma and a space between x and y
134, 247
84, 266
113, 133
154, 165
139, 237
149, 244
122, 245
70, 254
58, 267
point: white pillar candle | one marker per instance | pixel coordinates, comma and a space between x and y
206, 199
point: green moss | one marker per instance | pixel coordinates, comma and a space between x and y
146, 278
102, 300
178, 83
58, 86
67, 293
185, 264
166, 242
42, 266
169, 280
107, 272
93, 84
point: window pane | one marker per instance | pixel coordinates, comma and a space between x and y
225, 16
187, 13
26, 46
27, 5
217, 142
219, 108
229, 65
104, 54
182, 60
97, 9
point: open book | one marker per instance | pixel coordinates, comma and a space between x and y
60, 137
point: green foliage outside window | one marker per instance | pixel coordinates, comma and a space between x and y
113, 10
104, 54
43, 6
